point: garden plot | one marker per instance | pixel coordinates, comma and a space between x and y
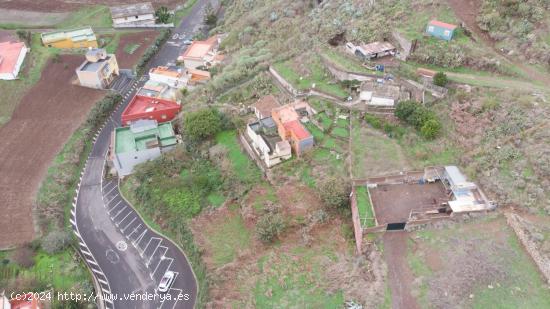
475, 265
374, 153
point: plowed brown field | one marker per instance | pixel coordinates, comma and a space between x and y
43, 121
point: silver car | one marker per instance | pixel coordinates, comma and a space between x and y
166, 281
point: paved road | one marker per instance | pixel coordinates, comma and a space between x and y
126, 257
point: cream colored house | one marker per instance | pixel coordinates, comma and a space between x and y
99, 69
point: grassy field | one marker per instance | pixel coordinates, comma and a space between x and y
244, 169
317, 76
97, 16
131, 48
374, 153
366, 215
13, 90
346, 62
497, 273
227, 239
293, 280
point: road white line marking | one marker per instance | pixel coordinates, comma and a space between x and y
151, 239
113, 198
135, 229
114, 187
113, 208
167, 268
118, 213
123, 229
141, 237
120, 222
153, 255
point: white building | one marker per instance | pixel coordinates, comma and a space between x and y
133, 15
175, 77
12, 55
267, 143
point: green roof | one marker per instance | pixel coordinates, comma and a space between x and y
130, 139
80, 34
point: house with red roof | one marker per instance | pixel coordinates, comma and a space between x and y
12, 55
288, 119
202, 53
145, 107
440, 30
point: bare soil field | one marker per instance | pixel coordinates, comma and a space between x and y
42, 122
144, 39
400, 277
70, 5
393, 203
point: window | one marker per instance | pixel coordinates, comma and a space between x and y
430, 28
137, 17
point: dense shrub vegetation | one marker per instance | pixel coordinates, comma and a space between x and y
202, 124
440, 79
152, 50
420, 117
516, 25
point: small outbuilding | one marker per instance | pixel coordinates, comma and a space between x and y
75, 38
12, 55
372, 50
441, 30
133, 15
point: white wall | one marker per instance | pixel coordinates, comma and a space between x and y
17, 67
146, 18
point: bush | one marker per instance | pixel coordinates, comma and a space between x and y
335, 193
269, 227
420, 117
102, 109
405, 109
23, 256
430, 129
373, 121
440, 79
55, 241
152, 50
202, 124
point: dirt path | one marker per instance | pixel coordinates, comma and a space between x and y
400, 277
43, 121
467, 11
30, 18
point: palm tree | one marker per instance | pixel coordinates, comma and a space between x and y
162, 15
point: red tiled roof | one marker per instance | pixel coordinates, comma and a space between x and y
9, 53
143, 104
298, 129
199, 49
442, 24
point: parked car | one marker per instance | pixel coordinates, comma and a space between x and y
166, 281
188, 42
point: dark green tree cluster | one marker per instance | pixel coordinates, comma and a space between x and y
202, 124
162, 15
420, 117
440, 79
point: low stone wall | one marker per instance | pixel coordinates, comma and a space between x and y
542, 261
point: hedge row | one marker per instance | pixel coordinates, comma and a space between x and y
152, 50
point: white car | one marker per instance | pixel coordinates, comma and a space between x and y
166, 281
188, 42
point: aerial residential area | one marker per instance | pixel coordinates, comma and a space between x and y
274, 154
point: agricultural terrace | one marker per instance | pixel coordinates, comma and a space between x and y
364, 206
306, 71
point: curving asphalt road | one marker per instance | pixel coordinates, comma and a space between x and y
126, 257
